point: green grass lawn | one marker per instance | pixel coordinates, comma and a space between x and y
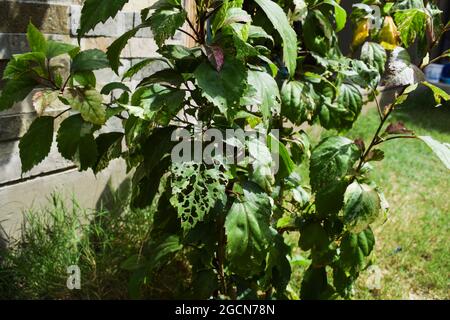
413, 248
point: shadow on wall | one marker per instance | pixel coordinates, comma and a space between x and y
113, 199
14, 17
3, 240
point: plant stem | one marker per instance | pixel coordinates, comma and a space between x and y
65, 83
380, 112
188, 34
220, 252
396, 137
62, 112
376, 138
193, 29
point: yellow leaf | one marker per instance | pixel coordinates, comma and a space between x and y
389, 36
361, 33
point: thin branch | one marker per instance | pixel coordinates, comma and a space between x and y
65, 83
395, 137
45, 81
375, 138
50, 73
188, 34
380, 112
62, 112
193, 28
437, 58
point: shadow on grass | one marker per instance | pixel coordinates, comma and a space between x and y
420, 110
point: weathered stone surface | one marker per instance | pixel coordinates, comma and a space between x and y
101, 43
49, 18
10, 165
14, 126
137, 5
59, 20
106, 75
89, 191
136, 47
142, 33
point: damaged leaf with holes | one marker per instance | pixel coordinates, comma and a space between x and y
195, 191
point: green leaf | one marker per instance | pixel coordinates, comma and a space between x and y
115, 49
195, 191
159, 103
16, 90
89, 60
140, 65
362, 206
114, 86
89, 103
86, 79
330, 163
374, 55
296, 100
314, 284
109, 146
342, 281
280, 22
278, 268
441, 150
340, 15
247, 227
407, 4
261, 161
227, 16
164, 77
317, 32
438, 93
364, 75
350, 103
155, 148
354, 248
76, 141
162, 250
36, 39
35, 145
96, 11
56, 48
165, 21
286, 166
313, 236
25, 64
223, 88
411, 24
265, 94
331, 160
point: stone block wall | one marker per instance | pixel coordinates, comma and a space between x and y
58, 20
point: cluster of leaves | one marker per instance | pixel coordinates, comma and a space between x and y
256, 64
